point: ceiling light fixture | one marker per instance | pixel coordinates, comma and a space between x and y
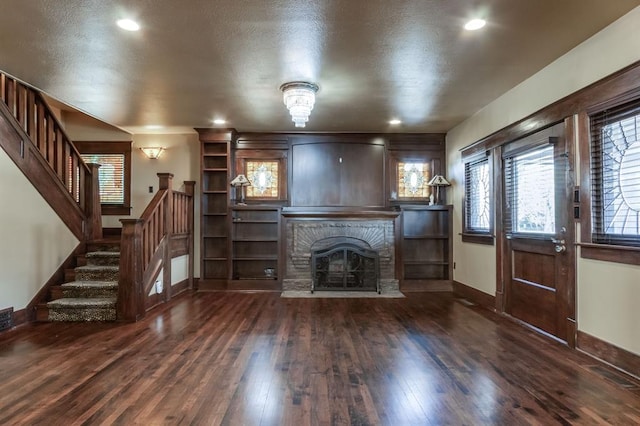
128, 24
299, 97
475, 24
395, 122
219, 121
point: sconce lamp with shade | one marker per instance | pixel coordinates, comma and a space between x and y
152, 153
438, 181
241, 181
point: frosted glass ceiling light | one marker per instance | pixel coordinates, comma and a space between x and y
299, 97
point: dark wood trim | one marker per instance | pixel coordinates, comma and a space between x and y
415, 286
56, 278
569, 299
474, 295
241, 157
615, 85
617, 254
20, 317
179, 287
486, 239
112, 147
498, 191
622, 359
179, 245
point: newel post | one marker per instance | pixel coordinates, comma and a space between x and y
93, 208
131, 297
166, 182
189, 189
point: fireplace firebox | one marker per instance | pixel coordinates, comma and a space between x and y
345, 266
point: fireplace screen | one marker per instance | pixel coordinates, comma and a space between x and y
345, 267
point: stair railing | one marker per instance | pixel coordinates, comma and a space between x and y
46, 155
164, 231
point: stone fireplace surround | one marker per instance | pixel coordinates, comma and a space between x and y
306, 230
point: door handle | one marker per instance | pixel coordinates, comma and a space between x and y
560, 245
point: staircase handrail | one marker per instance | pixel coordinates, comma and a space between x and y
41, 132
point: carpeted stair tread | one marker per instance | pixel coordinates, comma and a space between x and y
98, 268
74, 302
90, 285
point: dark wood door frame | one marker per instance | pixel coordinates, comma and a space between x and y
567, 297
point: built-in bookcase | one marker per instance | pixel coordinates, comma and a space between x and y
426, 245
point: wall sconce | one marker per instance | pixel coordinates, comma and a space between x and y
152, 153
438, 181
241, 181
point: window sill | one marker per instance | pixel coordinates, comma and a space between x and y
610, 253
115, 210
486, 239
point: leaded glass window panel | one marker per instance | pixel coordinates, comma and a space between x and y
412, 180
264, 179
616, 175
477, 196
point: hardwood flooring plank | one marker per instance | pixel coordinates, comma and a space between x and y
256, 359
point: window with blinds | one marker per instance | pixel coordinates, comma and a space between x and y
111, 176
477, 189
615, 175
529, 184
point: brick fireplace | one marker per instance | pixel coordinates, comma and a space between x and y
308, 232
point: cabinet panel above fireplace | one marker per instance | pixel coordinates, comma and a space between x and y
337, 175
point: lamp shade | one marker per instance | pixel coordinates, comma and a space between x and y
439, 180
152, 152
240, 180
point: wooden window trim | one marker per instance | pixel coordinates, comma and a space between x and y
107, 147
396, 158
473, 236
628, 255
244, 155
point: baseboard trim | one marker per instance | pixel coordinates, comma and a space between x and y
474, 295
622, 359
408, 286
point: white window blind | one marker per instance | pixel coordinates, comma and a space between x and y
111, 176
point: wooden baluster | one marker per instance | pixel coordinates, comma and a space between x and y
51, 143
32, 118
131, 297
74, 176
21, 105
41, 129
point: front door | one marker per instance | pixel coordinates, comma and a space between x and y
538, 256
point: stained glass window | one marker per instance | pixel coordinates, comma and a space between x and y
264, 179
413, 179
477, 194
615, 168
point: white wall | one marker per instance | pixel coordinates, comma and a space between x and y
33, 240
603, 308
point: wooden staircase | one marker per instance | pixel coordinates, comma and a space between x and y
91, 288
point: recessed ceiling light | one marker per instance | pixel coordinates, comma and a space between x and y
219, 121
395, 122
475, 24
128, 24
153, 126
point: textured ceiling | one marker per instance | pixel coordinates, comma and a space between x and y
374, 60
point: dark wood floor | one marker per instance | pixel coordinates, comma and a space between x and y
257, 359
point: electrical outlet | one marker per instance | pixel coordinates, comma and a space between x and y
151, 190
